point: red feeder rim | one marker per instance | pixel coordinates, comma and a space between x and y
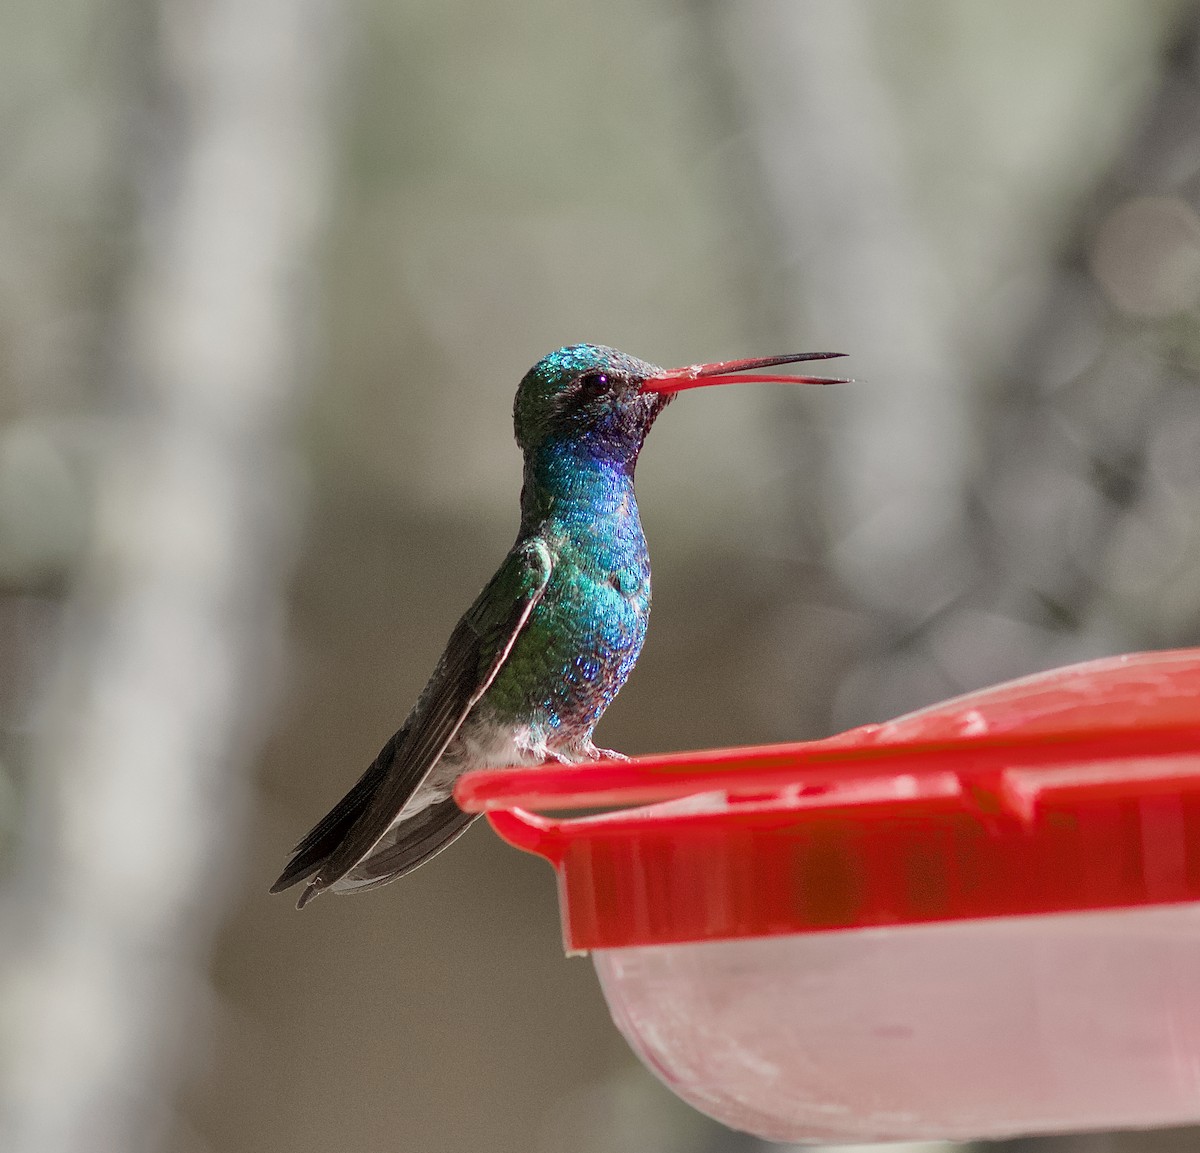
1073, 789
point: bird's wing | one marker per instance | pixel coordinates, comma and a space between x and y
474, 655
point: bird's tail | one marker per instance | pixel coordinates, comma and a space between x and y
419, 838
410, 844
321, 841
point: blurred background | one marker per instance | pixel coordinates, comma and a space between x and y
270, 271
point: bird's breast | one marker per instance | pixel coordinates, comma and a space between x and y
583, 637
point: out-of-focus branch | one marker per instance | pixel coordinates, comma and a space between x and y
167, 659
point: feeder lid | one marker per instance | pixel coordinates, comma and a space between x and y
1073, 789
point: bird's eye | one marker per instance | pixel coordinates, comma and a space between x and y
594, 382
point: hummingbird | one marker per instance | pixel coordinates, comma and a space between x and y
548, 643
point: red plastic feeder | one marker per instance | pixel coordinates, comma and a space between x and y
974, 921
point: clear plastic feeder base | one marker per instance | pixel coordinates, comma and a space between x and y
987, 1028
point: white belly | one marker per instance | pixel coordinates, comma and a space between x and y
481, 745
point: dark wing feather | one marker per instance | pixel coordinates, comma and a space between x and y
476, 650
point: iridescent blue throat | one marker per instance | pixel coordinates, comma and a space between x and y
586, 632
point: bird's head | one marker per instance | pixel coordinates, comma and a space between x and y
589, 395
605, 401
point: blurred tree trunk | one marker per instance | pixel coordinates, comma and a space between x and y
173, 631
1002, 517
856, 274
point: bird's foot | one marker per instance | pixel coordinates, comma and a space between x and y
584, 752
590, 752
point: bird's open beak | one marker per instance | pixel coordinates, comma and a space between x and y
723, 372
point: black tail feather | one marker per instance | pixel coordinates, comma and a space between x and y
321, 841
425, 835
